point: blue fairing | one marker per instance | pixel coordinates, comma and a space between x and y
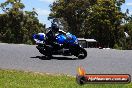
39, 37
69, 38
34, 36
72, 39
61, 39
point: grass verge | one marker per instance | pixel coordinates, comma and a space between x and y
20, 79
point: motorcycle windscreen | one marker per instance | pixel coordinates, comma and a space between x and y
61, 39
72, 39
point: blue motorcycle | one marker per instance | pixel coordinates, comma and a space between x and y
66, 45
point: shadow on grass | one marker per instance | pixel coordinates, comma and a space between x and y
57, 58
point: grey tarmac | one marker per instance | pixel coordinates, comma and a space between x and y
99, 61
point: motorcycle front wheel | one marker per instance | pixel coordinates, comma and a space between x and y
82, 54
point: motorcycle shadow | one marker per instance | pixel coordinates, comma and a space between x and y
56, 58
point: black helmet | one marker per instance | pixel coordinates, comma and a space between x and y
54, 27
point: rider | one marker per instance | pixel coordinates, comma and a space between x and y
51, 35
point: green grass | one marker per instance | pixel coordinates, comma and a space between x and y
20, 79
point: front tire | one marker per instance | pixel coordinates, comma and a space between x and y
82, 53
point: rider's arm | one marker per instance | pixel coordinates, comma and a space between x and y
62, 32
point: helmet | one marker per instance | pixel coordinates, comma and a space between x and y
54, 27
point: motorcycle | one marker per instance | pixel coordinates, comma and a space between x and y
66, 45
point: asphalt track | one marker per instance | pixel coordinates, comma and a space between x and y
98, 61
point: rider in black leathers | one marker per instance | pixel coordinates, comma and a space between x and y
51, 35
